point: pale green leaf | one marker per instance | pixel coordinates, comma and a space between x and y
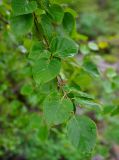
111, 72
82, 133
91, 68
93, 46
79, 93
84, 49
56, 109
88, 103
36, 127
108, 86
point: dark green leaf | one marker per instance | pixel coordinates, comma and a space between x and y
47, 27
68, 22
38, 51
44, 4
115, 111
61, 1
22, 24
63, 47
21, 7
56, 12
45, 70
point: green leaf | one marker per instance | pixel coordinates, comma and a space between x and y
116, 81
44, 4
22, 24
43, 133
84, 49
78, 93
26, 89
60, 1
68, 22
115, 111
91, 68
93, 46
56, 12
21, 7
38, 51
111, 110
36, 127
111, 72
88, 103
45, 70
108, 86
47, 27
82, 94
63, 47
82, 133
72, 11
49, 87
56, 109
